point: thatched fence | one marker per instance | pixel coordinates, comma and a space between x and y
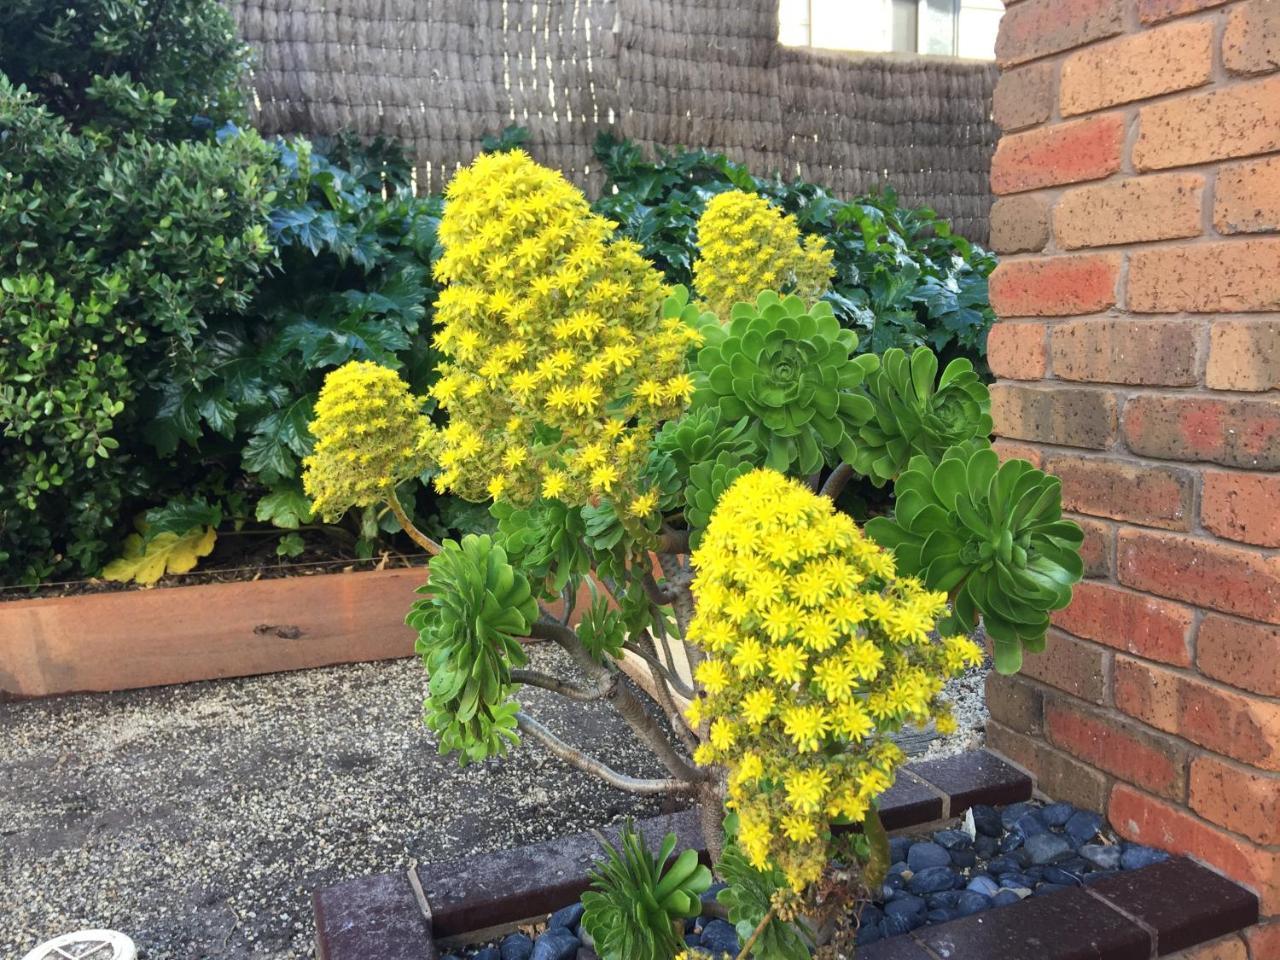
439, 75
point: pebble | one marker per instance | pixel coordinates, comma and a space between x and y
1030, 825
1136, 856
719, 937
984, 885
898, 847
567, 917
488, 953
927, 854
907, 906
963, 859
971, 902
1057, 814
1102, 857
987, 821
932, 880
953, 840
516, 946
1005, 898
555, 943
1047, 847
1083, 827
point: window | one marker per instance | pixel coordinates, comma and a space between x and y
949, 28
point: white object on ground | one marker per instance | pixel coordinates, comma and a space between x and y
86, 945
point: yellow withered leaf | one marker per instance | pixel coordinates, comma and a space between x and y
166, 553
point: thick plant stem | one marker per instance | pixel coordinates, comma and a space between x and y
623, 700
535, 678
711, 819
836, 483
416, 535
576, 758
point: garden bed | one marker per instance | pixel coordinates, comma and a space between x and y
1066, 900
143, 638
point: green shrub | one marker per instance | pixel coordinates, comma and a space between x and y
903, 279
356, 249
186, 48
114, 249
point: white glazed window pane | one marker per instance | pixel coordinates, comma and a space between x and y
979, 23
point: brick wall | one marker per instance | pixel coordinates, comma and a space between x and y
1138, 357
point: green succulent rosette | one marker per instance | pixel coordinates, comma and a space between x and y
993, 537
707, 484
544, 540
476, 606
790, 369
636, 899
916, 415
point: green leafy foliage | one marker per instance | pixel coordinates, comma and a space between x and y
916, 415
476, 607
115, 250
64, 53
637, 901
748, 896
791, 370
903, 278
545, 540
602, 629
993, 535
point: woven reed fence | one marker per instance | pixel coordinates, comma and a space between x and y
439, 75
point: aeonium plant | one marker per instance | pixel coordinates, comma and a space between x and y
681, 468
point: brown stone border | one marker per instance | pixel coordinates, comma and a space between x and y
1136, 915
143, 638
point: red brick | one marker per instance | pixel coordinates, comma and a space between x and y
1067, 416
1232, 121
1074, 666
1024, 97
1242, 506
1098, 547
1145, 819
1152, 11
1146, 64
1244, 355
1233, 724
1246, 198
1124, 490
1230, 947
1055, 286
1007, 450
1040, 27
1019, 224
1016, 351
1235, 797
1234, 433
1057, 774
1015, 702
1140, 352
1162, 207
1237, 275
1062, 153
1264, 941
1133, 622
1241, 653
1251, 43
1231, 579
1118, 746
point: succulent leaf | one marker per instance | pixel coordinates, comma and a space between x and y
636, 901
791, 371
991, 534
476, 605
915, 416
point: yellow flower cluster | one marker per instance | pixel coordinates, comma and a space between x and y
370, 435
816, 651
746, 245
560, 366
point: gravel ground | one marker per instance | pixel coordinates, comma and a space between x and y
198, 819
